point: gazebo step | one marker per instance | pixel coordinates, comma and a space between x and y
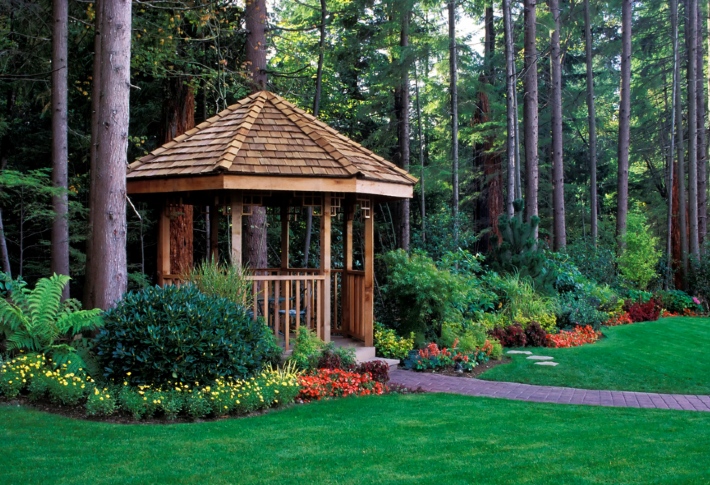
393, 363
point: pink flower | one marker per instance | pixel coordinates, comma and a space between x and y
696, 301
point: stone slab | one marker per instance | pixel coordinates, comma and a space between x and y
526, 352
540, 357
552, 364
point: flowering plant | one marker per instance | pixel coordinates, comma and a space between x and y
621, 319
578, 336
433, 357
327, 383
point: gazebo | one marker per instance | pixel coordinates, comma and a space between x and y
264, 151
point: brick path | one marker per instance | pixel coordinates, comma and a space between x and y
560, 395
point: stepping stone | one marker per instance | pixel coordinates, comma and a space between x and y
553, 364
526, 352
540, 357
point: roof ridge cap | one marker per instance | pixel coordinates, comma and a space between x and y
230, 153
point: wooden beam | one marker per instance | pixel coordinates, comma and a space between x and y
325, 242
236, 208
368, 300
214, 230
284, 237
164, 244
346, 289
350, 185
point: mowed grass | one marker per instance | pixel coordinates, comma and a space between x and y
425, 438
670, 355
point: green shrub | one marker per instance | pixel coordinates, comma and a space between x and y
598, 263
639, 260
418, 296
699, 275
332, 357
579, 309
311, 353
391, 346
178, 333
677, 301
38, 321
519, 252
470, 336
519, 302
307, 349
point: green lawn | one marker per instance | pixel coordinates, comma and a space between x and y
429, 438
669, 355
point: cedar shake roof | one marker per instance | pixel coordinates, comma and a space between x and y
265, 135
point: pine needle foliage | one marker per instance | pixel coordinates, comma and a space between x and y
38, 321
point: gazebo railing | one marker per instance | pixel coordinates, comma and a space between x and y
288, 299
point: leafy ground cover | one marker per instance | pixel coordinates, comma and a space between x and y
668, 355
420, 438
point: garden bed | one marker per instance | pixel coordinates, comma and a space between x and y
474, 373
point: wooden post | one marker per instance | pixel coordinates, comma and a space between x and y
284, 237
286, 284
214, 230
368, 300
325, 265
236, 208
346, 289
164, 243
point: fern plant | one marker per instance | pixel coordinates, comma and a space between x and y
38, 321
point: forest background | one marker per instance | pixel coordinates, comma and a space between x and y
401, 78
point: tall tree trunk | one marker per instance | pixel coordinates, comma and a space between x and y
60, 148
422, 201
95, 98
702, 136
530, 113
672, 192
316, 112
321, 57
518, 158
255, 23
453, 91
4, 255
491, 186
592, 117
682, 229
624, 124
510, 105
692, 43
179, 117
401, 97
108, 181
558, 183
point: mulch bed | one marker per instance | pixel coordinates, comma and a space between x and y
477, 371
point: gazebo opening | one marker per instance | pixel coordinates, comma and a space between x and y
265, 152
